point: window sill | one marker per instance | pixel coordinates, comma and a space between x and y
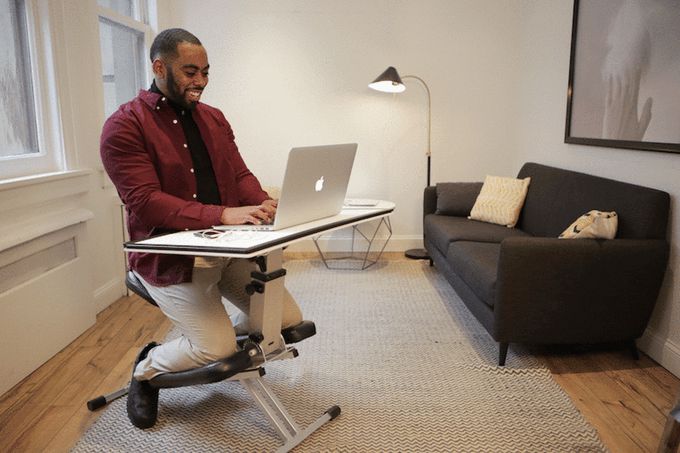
33, 206
23, 181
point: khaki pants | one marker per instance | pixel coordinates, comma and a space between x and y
198, 310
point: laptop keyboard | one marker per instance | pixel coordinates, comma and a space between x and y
248, 227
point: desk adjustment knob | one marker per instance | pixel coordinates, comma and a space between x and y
254, 287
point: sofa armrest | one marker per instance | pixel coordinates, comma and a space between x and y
429, 200
553, 290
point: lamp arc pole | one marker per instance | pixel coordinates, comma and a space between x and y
390, 82
428, 151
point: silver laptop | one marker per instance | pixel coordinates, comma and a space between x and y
314, 186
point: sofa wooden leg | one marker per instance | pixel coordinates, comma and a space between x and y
502, 353
634, 350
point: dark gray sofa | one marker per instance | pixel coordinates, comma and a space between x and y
527, 286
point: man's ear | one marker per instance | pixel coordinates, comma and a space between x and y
158, 68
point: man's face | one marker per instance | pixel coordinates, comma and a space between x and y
186, 75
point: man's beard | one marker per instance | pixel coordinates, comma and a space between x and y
174, 92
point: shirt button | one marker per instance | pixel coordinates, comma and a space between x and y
186, 229
174, 121
163, 99
158, 107
194, 195
185, 145
191, 170
182, 112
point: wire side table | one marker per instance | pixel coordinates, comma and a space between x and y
362, 260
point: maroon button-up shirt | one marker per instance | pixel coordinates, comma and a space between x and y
144, 151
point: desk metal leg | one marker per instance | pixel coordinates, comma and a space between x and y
277, 414
266, 311
365, 261
266, 304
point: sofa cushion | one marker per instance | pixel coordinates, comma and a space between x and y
592, 225
457, 198
476, 263
500, 200
441, 230
556, 197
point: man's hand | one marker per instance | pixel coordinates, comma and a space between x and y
257, 215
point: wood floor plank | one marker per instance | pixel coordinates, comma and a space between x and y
35, 379
597, 409
81, 367
620, 396
82, 418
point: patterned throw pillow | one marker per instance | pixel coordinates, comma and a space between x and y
593, 225
500, 200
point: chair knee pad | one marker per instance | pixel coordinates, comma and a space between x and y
216, 371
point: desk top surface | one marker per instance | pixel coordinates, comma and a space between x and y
247, 244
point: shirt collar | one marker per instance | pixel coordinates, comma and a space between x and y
155, 99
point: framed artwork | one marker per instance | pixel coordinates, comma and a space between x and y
624, 75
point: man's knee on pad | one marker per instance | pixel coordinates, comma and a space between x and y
212, 353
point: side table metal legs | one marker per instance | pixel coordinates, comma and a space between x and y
363, 257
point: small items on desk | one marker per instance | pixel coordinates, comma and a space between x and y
361, 202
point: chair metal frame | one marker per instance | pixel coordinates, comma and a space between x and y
264, 344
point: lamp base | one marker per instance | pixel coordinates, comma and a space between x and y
417, 254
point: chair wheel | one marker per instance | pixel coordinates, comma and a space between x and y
96, 403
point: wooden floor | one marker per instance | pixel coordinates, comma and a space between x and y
625, 400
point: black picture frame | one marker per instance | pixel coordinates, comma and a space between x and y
593, 103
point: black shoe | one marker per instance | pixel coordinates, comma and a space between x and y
142, 401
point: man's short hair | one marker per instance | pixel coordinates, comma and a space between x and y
166, 42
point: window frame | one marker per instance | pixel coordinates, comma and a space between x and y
140, 23
50, 157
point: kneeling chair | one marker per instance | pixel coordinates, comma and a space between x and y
245, 366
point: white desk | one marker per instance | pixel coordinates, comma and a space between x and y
249, 244
266, 304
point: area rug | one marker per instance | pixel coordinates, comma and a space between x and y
411, 369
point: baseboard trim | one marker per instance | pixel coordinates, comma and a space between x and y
108, 293
662, 350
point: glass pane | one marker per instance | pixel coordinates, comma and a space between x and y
17, 111
120, 6
122, 63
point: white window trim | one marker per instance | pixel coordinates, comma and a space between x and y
41, 20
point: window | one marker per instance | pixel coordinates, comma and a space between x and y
124, 7
29, 135
18, 134
123, 33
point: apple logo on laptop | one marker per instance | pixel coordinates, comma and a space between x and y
319, 185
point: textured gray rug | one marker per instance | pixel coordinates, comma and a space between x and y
397, 350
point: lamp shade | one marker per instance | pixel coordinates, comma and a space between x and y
389, 82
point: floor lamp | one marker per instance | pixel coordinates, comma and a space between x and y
390, 82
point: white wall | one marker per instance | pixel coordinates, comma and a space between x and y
544, 59
296, 73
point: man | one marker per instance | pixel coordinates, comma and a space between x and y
176, 167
